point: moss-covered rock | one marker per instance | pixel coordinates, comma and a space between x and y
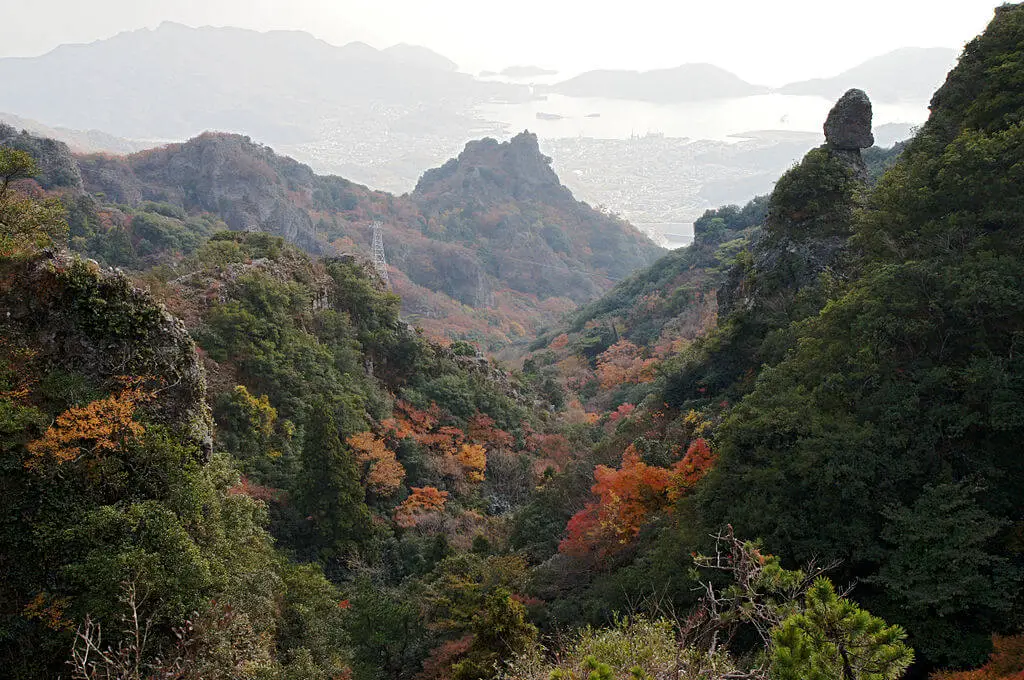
82, 319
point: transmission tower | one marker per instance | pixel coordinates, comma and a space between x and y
379, 263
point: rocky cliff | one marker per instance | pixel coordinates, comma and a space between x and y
243, 182
81, 320
782, 277
57, 165
492, 172
490, 247
809, 217
505, 198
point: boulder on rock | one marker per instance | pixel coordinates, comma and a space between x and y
848, 126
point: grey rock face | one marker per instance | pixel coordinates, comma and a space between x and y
57, 167
497, 171
244, 182
848, 126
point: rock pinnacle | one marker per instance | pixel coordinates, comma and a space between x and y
848, 126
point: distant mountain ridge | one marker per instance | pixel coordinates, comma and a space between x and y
905, 74
527, 71
80, 141
909, 73
175, 81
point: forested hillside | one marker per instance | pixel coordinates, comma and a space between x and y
609, 351
790, 451
341, 443
487, 249
855, 401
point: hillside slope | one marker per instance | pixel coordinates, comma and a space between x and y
503, 199
657, 311
858, 401
905, 391
489, 248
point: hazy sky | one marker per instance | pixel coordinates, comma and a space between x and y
765, 41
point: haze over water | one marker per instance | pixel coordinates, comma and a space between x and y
721, 119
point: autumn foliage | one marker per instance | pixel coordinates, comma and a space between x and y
559, 342
623, 363
473, 459
246, 487
438, 664
1006, 662
452, 452
552, 451
410, 421
100, 427
697, 462
481, 430
628, 496
383, 474
422, 502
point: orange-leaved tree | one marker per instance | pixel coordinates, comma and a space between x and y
697, 462
1005, 663
473, 459
422, 502
552, 450
410, 421
383, 474
481, 430
99, 428
622, 363
626, 498
451, 455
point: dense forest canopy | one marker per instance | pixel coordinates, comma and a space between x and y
790, 450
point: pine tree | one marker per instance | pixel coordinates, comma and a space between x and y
834, 638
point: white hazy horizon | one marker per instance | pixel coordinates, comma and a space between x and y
768, 43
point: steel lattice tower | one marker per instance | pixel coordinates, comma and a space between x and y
379, 263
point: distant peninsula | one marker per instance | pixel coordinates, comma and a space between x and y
690, 82
526, 72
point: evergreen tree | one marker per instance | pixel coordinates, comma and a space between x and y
500, 630
834, 638
330, 494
